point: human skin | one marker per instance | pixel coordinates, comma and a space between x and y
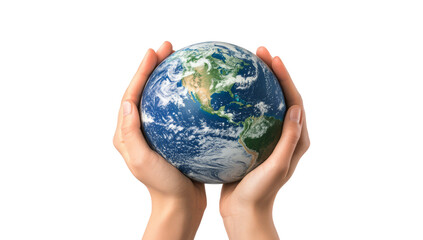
246, 206
178, 203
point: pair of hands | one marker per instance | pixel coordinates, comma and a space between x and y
178, 203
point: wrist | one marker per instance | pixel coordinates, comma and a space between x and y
186, 205
170, 206
253, 222
173, 218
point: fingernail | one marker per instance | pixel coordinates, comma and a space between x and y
295, 114
127, 108
148, 52
161, 46
158, 49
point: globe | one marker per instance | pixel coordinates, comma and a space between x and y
213, 110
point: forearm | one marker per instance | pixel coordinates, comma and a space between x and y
172, 219
251, 224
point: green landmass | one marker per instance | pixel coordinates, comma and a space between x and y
261, 134
214, 76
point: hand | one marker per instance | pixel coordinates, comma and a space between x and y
246, 206
178, 203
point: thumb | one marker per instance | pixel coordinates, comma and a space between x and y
281, 156
134, 143
130, 121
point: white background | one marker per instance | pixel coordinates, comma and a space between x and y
65, 65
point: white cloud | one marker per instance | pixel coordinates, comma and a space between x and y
262, 107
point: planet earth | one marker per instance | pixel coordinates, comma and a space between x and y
213, 110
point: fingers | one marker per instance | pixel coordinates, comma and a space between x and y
302, 146
130, 130
264, 54
291, 94
280, 159
133, 92
164, 51
128, 126
292, 98
130, 139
